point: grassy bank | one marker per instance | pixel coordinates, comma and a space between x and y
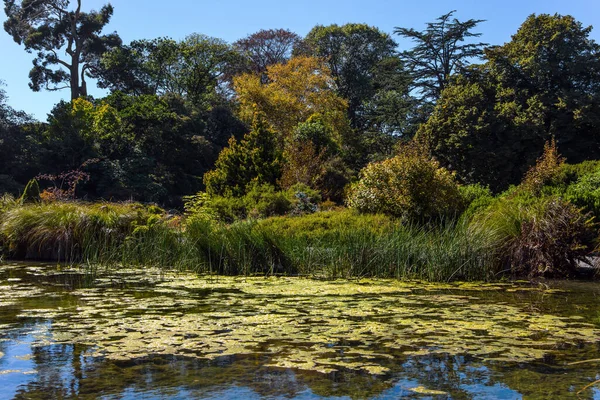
518, 234
326, 244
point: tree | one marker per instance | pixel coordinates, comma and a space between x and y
194, 68
491, 124
265, 48
440, 51
354, 54
295, 91
49, 26
19, 146
253, 160
549, 75
142, 67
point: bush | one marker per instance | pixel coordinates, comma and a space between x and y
551, 243
261, 201
534, 236
475, 197
411, 186
546, 170
586, 192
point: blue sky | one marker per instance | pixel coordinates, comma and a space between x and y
233, 19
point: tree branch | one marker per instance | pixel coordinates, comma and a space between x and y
58, 60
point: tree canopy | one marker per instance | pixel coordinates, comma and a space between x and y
51, 26
194, 67
440, 51
265, 48
354, 54
491, 124
294, 92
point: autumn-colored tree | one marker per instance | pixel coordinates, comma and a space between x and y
295, 91
303, 164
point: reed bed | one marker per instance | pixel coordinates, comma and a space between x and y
335, 244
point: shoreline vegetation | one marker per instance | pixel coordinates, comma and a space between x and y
542, 228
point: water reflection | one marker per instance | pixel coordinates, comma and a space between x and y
34, 365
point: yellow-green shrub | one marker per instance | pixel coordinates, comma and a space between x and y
410, 185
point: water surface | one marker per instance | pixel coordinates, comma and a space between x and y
125, 334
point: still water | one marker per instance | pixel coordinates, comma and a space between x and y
147, 334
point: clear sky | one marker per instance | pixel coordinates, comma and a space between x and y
234, 19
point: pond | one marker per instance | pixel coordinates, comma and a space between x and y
125, 334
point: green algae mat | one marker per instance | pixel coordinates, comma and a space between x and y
153, 334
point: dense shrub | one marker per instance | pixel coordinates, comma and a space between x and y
411, 186
261, 201
475, 197
535, 236
547, 169
552, 241
586, 192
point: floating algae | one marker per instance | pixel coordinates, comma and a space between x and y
366, 326
302, 323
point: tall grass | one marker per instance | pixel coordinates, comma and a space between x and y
328, 244
68, 231
508, 236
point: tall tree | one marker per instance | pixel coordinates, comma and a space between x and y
193, 68
492, 122
296, 91
440, 51
354, 53
19, 147
265, 48
254, 159
50, 27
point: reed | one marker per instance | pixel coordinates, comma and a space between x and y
333, 244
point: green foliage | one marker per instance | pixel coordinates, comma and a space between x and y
353, 52
474, 197
410, 186
70, 231
253, 160
192, 68
370, 76
45, 27
440, 51
491, 123
322, 225
31, 194
261, 201
585, 192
